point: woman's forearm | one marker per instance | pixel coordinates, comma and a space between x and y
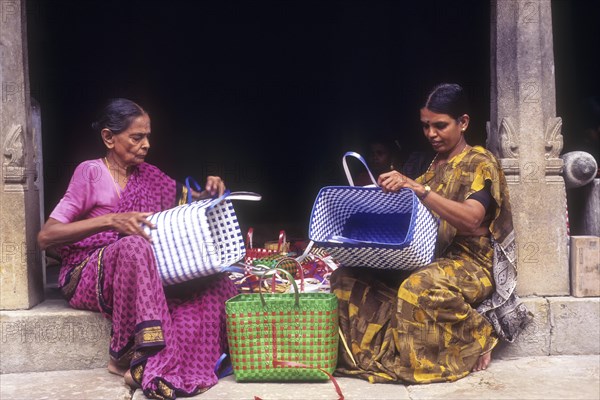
57, 233
467, 216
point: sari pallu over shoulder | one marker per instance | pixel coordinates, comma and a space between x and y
457, 180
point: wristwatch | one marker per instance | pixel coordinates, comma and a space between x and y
426, 192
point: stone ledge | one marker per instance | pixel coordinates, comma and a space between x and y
575, 325
53, 336
561, 326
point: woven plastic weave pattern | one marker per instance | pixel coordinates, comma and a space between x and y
281, 331
402, 232
190, 241
284, 262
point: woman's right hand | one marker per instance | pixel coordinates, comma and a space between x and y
393, 181
132, 223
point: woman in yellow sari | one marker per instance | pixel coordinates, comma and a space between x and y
441, 321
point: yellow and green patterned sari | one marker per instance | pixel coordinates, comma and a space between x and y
432, 325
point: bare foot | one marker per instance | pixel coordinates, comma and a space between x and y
129, 380
483, 361
116, 368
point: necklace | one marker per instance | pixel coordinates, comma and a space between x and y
117, 188
437, 154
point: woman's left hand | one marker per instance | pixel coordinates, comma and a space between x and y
393, 181
214, 187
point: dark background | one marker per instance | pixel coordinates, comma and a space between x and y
270, 94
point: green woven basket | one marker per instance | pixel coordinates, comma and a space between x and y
279, 261
270, 334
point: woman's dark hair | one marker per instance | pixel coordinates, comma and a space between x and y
117, 115
447, 98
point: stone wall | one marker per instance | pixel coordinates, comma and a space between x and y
21, 276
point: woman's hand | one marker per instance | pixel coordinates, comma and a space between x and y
214, 187
393, 181
132, 223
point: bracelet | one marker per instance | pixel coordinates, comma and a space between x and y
427, 190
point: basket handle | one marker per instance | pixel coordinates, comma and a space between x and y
303, 256
347, 240
250, 196
228, 370
249, 236
347, 170
284, 259
273, 271
189, 180
294, 364
281, 242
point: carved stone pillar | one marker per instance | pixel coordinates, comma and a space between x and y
525, 134
21, 283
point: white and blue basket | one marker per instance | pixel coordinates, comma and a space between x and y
365, 227
197, 239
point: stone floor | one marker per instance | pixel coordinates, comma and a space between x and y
528, 378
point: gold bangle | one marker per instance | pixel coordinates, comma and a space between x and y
426, 192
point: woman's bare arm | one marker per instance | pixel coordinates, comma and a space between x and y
467, 217
55, 232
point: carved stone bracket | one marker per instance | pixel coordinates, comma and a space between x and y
553, 140
553, 145
509, 148
13, 165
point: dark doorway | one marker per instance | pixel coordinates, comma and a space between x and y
267, 94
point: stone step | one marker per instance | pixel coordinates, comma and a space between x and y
561, 326
52, 336
549, 377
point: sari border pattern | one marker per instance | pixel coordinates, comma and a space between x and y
105, 308
72, 280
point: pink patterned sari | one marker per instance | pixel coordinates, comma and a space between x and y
171, 337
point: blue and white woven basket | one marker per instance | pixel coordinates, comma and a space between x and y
197, 239
363, 226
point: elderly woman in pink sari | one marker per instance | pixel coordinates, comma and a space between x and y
166, 340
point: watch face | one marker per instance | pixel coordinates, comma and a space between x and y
427, 189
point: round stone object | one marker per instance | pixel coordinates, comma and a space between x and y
579, 169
